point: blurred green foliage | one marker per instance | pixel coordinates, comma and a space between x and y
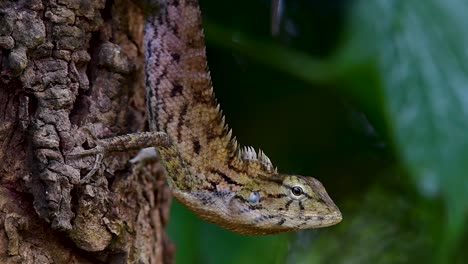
371, 98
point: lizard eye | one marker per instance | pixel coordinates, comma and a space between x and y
297, 190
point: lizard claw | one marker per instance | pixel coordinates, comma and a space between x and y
99, 152
96, 166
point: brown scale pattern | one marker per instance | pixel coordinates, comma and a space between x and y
180, 95
237, 189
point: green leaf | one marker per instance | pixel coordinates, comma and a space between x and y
420, 52
353, 82
295, 63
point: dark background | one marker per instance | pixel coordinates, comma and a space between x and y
369, 97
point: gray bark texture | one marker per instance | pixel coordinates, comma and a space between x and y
72, 71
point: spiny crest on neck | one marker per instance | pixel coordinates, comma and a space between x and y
246, 153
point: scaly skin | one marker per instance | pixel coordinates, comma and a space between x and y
209, 173
213, 176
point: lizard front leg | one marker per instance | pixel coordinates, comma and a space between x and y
122, 143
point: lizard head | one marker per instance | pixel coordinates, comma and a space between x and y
279, 203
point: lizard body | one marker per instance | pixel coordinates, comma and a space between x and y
218, 177
208, 172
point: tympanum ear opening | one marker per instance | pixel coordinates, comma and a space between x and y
254, 197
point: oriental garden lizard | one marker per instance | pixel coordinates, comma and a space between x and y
232, 186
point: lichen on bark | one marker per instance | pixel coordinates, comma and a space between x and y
71, 71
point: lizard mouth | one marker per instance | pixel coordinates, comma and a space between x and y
332, 219
324, 220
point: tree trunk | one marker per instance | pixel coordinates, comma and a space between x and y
72, 71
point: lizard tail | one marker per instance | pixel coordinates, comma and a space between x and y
180, 95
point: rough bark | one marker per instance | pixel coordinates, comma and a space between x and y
71, 71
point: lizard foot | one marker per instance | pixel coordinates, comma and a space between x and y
98, 151
124, 143
145, 154
97, 164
